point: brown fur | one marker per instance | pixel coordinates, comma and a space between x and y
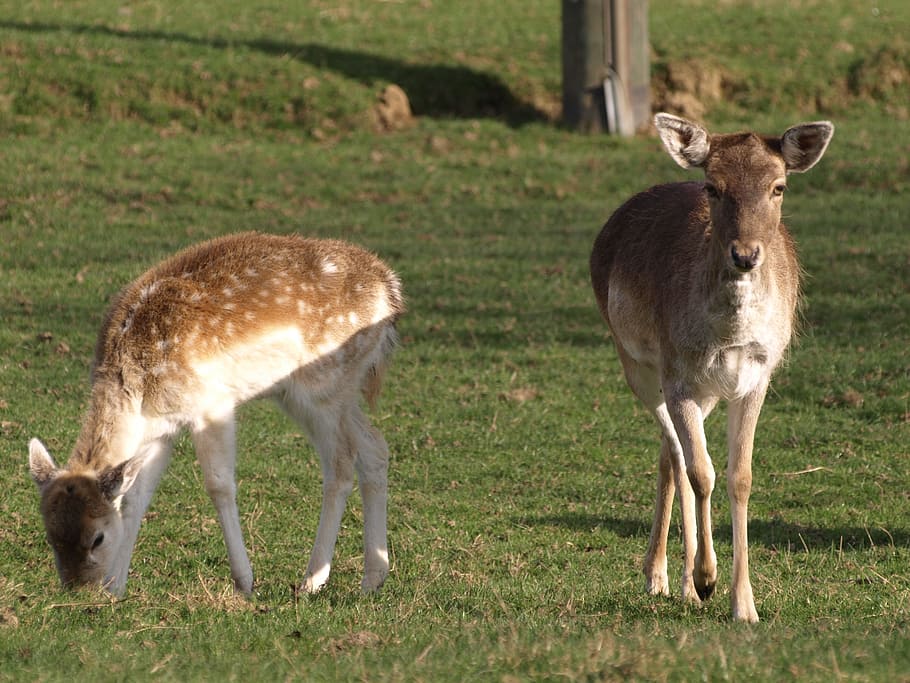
187, 298
699, 284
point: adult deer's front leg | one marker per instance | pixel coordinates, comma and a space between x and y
688, 419
676, 475
741, 421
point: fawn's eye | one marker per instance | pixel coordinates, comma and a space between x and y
99, 539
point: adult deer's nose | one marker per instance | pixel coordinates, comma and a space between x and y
746, 256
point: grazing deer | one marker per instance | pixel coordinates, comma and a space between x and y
699, 283
310, 323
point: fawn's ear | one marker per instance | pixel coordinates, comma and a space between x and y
119, 480
40, 464
687, 142
803, 145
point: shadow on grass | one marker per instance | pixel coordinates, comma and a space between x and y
434, 90
774, 534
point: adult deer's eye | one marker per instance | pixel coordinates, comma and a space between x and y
779, 190
99, 539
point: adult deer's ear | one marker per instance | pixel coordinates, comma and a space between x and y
803, 145
40, 463
687, 142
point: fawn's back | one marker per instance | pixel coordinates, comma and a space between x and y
230, 318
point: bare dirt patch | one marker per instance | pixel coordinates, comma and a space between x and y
884, 76
393, 109
689, 88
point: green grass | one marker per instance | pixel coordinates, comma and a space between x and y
522, 473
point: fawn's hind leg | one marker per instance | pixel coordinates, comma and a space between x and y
324, 422
372, 463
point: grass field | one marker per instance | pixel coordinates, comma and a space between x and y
522, 472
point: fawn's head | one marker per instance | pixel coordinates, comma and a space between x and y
745, 179
83, 519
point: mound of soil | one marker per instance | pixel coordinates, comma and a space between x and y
688, 88
393, 109
884, 76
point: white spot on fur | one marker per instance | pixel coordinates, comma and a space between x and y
382, 311
147, 291
326, 347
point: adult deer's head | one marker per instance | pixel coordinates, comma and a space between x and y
745, 179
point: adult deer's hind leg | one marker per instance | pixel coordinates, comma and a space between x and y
644, 380
655, 566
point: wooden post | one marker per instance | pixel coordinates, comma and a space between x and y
606, 65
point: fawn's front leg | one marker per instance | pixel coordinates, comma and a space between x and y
216, 450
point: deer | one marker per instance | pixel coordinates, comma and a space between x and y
699, 284
310, 323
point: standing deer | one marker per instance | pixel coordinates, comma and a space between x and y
699, 283
310, 323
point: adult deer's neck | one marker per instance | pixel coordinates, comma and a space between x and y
739, 304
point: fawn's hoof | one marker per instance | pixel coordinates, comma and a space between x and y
373, 581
